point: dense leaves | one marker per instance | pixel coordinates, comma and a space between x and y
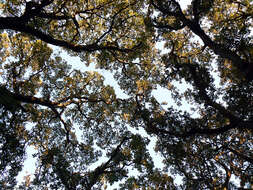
87, 136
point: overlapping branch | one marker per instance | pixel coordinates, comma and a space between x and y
33, 10
89, 179
234, 122
244, 66
102, 169
53, 105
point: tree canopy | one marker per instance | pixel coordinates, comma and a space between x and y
73, 119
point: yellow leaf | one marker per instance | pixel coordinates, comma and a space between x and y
126, 116
142, 86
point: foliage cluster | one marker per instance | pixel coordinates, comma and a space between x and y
73, 119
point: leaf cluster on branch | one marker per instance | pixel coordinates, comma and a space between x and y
84, 133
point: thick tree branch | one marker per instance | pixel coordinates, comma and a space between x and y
59, 104
201, 86
245, 67
20, 24
242, 65
153, 127
200, 131
50, 104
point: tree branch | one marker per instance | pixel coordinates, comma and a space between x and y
201, 86
245, 67
204, 131
248, 159
20, 24
153, 127
225, 185
100, 170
